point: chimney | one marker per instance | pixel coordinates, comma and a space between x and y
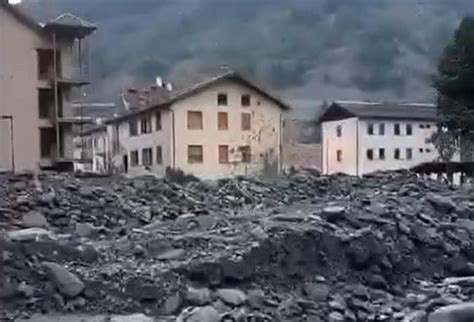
169, 87
159, 81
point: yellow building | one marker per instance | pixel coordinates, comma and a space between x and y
222, 127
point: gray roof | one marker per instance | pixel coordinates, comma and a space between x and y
371, 110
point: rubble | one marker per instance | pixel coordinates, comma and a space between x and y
386, 247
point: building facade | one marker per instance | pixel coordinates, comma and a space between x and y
39, 70
222, 127
360, 138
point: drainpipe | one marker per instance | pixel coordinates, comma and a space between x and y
327, 156
173, 140
280, 146
357, 147
56, 98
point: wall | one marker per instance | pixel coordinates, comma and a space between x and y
390, 142
347, 143
18, 92
264, 137
304, 156
129, 143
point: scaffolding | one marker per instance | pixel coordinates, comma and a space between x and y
70, 38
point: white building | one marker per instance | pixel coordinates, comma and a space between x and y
360, 137
94, 146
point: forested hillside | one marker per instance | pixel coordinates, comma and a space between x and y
318, 49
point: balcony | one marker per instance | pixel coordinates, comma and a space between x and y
71, 75
75, 78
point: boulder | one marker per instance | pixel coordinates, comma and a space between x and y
317, 292
440, 203
334, 213
198, 296
66, 282
85, 230
29, 234
142, 289
453, 313
202, 314
232, 296
336, 317
34, 219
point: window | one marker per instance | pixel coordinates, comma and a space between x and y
145, 125
246, 154
158, 121
428, 141
147, 157
396, 129
428, 150
396, 154
246, 123
45, 103
223, 154
339, 131
339, 155
245, 100
422, 126
409, 152
370, 154
159, 154
45, 58
194, 120
420, 150
382, 154
134, 158
370, 129
409, 129
382, 129
195, 154
222, 121
428, 126
132, 125
222, 99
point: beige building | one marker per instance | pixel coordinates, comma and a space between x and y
222, 127
360, 137
40, 66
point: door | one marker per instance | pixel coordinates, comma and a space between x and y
125, 163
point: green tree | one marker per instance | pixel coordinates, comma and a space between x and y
447, 143
455, 79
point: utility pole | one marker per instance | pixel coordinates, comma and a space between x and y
12, 141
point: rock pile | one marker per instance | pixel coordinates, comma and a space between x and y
387, 247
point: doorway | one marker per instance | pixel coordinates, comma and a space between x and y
125, 163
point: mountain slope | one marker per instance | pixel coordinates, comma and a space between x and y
321, 49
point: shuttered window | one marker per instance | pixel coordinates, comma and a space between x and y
246, 122
222, 121
195, 154
223, 154
194, 120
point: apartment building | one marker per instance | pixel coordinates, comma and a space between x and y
42, 68
221, 127
361, 137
